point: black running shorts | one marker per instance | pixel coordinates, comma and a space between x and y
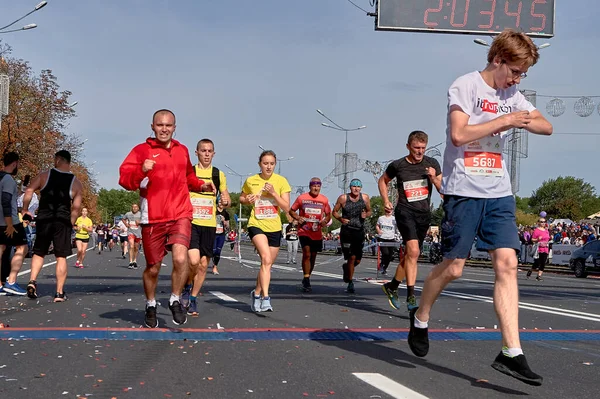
57, 232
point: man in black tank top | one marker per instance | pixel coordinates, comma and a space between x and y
60, 202
355, 207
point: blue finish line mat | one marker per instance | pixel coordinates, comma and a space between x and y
291, 334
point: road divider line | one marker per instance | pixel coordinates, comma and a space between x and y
389, 386
24, 272
460, 295
222, 296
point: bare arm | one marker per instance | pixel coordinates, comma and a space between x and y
384, 184
77, 200
327, 217
378, 229
367, 200
225, 199
436, 180
294, 215
539, 124
35, 184
462, 133
338, 207
283, 201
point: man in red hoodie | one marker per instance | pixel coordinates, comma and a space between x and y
161, 169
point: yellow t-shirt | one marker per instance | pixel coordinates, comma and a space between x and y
83, 222
205, 204
265, 212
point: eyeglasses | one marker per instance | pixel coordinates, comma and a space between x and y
515, 72
314, 183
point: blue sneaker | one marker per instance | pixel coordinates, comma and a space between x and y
185, 296
392, 296
265, 304
411, 303
14, 289
255, 302
192, 309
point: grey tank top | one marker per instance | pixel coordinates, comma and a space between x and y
352, 210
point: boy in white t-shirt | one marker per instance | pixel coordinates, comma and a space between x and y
478, 200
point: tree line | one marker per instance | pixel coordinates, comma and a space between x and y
36, 125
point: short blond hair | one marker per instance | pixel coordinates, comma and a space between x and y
514, 47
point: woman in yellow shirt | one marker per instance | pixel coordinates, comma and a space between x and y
269, 194
83, 228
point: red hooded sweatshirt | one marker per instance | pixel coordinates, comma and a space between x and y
164, 190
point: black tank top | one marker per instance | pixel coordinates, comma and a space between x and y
55, 201
352, 211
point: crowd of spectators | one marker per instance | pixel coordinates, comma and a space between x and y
565, 233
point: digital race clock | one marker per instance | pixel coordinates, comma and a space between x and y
483, 17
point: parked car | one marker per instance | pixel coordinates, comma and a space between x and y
585, 258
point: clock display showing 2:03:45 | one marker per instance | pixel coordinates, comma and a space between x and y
534, 17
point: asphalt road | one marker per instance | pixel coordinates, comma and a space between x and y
318, 345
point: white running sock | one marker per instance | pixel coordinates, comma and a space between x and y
151, 302
173, 298
421, 324
511, 352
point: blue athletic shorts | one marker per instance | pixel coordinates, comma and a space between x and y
491, 220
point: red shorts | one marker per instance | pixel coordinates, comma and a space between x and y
158, 238
134, 238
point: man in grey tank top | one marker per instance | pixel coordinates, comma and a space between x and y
355, 207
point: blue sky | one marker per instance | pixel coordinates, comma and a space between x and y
249, 73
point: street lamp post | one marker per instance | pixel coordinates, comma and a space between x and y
278, 161
233, 172
28, 26
341, 129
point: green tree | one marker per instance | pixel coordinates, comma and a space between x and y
526, 219
36, 125
523, 204
376, 211
437, 214
565, 197
114, 202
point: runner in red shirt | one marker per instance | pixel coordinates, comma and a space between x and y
161, 169
313, 212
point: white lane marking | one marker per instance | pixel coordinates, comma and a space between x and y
389, 386
222, 296
460, 295
476, 281
528, 306
21, 273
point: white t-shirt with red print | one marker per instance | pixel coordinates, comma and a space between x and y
478, 169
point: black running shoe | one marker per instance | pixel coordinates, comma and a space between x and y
346, 272
418, 338
32, 289
306, 285
350, 288
135, 266
528, 273
150, 320
179, 313
518, 368
130, 265
60, 297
